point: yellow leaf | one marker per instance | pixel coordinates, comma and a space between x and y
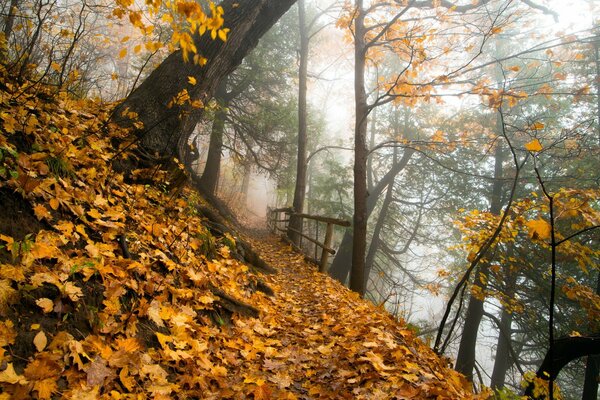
54, 203
8, 295
94, 213
537, 126
45, 304
191, 80
534, 145
122, 53
45, 388
41, 212
538, 229
40, 341
10, 376
55, 66
223, 34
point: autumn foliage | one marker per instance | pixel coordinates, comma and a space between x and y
115, 288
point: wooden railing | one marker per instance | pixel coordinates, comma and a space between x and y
278, 220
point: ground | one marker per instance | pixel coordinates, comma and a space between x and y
124, 285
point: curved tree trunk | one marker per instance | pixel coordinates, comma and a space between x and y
566, 349
166, 129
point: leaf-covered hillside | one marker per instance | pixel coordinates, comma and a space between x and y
115, 287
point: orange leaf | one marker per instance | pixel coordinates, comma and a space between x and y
538, 229
534, 145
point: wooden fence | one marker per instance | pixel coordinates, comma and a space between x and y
278, 220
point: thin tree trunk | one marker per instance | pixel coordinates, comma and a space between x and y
503, 358
376, 239
245, 184
210, 176
166, 129
359, 239
8, 27
300, 188
340, 267
465, 360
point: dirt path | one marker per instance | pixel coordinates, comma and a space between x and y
332, 344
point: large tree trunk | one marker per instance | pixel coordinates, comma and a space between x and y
359, 239
210, 175
592, 369
340, 267
166, 130
300, 188
465, 360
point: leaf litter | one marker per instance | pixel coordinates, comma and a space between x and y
81, 318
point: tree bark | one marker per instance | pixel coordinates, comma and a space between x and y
210, 176
166, 130
300, 187
465, 359
359, 239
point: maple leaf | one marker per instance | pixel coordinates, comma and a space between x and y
10, 376
8, 295
534, 146
97, 372
7, 333
46, 388
538, 229
377, 362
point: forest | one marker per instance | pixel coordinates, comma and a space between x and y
300, 199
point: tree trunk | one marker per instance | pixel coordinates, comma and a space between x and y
592, 369
566, 349
8, 27
340, 267
166, 130
503, 359
359, 239
210, 176
465, 360
376, 239
300, 188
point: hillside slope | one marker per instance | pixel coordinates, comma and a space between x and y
115, 287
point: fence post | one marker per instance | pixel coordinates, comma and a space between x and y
327, 245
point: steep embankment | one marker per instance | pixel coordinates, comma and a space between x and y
115, 287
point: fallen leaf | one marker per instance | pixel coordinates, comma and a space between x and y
40, 341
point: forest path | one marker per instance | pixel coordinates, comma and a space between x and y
339, 346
